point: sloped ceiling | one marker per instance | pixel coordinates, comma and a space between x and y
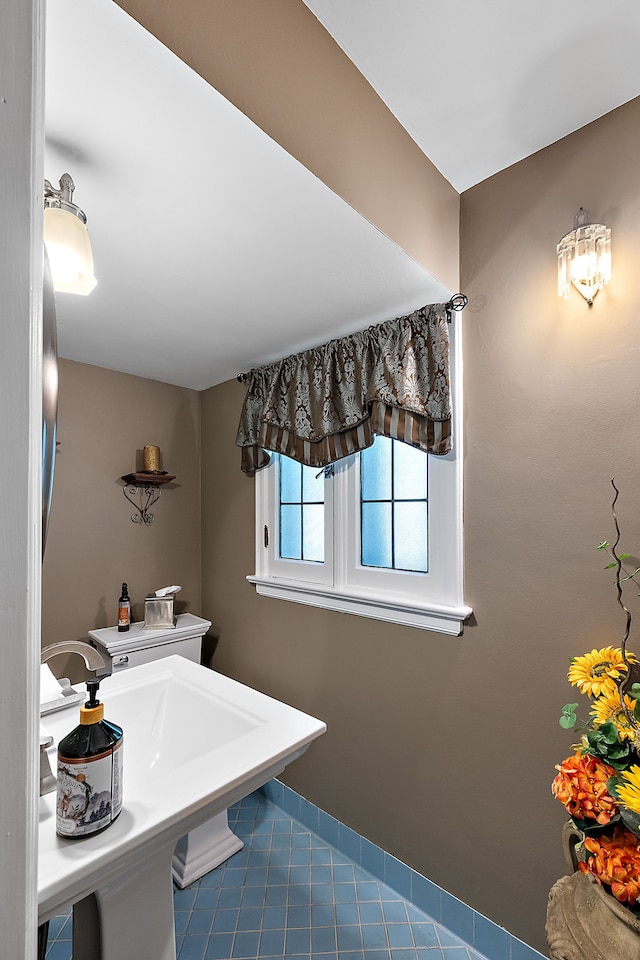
480, 86
216, 250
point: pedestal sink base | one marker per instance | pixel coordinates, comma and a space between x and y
203, 849
132, 917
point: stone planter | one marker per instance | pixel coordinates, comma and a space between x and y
584, 921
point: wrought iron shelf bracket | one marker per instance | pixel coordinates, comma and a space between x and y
146, 488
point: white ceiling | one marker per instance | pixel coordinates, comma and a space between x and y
215, 250
480, 84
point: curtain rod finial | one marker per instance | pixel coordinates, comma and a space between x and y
457, 302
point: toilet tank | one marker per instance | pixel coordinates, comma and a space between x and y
139, 645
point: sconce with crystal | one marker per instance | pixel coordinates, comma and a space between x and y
584, 258
67, 239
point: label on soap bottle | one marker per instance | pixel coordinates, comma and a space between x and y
89, 793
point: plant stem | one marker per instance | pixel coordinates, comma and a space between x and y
623, 679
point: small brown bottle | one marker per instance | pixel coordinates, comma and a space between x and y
124, 610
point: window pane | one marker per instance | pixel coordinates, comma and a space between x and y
394, 506
409, 472
376, 535
301, 511
312, 485
313, 532
410, 536
375, 467
290, 481
291, 532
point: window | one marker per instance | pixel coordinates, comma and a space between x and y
301, 512
394, 532
377, 534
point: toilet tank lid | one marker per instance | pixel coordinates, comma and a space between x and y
137, 637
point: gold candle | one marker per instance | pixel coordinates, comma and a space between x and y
151, 459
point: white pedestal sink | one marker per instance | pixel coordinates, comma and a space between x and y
203, 849
195, 742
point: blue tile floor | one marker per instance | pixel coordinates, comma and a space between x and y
289, 894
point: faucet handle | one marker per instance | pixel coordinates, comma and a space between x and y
48, 782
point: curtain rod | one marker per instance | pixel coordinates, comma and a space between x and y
457, 303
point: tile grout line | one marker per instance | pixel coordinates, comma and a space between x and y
259, 813
395, 874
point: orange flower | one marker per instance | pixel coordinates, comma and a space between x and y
581, 785
615, 861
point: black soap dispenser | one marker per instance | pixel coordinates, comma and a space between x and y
89, 796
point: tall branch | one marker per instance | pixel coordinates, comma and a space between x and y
623, 679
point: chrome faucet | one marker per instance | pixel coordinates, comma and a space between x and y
92, 657
93, 660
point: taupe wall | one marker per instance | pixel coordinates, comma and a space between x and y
442, 749
277, 64
104, 418
439, 749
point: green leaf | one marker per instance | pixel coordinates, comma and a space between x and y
624, 556
612, 786
604, 743
603, 545
617, 764
568, 719
609, 732
635, 690
631, 820
610, 566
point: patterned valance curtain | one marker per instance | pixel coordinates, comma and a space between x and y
327, 403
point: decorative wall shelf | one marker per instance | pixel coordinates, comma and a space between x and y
145, 486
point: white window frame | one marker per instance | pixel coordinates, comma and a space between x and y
268, 560
431, 601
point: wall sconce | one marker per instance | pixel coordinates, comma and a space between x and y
584, 258
67, 240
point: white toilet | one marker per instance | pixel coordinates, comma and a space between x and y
211, 844
139, 644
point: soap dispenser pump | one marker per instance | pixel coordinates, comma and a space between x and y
89, 793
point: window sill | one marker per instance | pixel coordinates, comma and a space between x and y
441, 618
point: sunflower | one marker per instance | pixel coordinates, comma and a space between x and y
592, 672
629, 793
608, 707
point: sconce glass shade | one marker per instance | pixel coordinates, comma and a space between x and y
67, 240
584, 258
